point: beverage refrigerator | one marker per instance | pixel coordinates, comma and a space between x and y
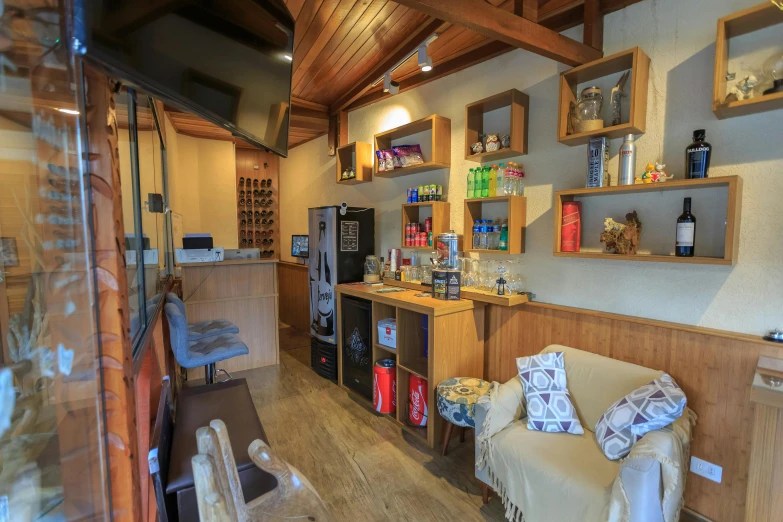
339, 244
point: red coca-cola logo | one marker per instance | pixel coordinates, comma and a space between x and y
323, 360
416, 406
388, 330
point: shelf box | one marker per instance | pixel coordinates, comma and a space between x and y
732, 185
439, 211
634, 60
436, 151
514, 106
514, 208
359, 156
741, 23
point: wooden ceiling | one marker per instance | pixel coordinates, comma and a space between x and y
342, 46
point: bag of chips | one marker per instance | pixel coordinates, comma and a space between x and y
407, 155
385, 159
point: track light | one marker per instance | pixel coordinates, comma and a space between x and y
390, 85
425, 62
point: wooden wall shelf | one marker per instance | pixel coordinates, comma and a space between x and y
634, 60
358, 155
440, 129
732, 183
738, 24
518, 104
441, 219
516, 212
466, 293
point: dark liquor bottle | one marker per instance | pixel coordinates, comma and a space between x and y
697, 156
686, 232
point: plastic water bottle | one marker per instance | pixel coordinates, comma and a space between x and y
503, 242
470, 184
496, 235
476, 234
510, 179
483, 236
501, 186
521, 180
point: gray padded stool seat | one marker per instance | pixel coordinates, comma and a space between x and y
200, 352
205, 328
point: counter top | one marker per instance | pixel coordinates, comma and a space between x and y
407, 299
232, 262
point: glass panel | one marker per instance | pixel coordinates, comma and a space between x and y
50, 411
129, 162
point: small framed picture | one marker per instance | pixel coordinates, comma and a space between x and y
9, 255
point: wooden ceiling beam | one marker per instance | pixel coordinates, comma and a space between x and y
499, 24
414, 39
594, 25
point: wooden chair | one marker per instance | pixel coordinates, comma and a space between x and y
160, 453
220, 495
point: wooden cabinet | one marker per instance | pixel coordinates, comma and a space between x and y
503, 113
435, 140
359, 156
633, 60
513, 208
744, 22
454, 341
439, 211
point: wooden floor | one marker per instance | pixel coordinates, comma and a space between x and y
363, 465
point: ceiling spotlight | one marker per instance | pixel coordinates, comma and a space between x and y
425, 62
69, 111
390, 85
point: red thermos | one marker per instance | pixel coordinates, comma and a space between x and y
417, 407
571, 231
384, 391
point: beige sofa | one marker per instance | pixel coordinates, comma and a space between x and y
546, 477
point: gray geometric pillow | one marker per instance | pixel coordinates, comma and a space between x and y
549, 406
651, 407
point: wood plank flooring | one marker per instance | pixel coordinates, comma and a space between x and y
363, 465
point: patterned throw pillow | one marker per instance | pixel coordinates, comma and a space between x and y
549, 406
651, 407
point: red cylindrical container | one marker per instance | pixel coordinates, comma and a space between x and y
428, 225
417, 403
571, 231
384, 391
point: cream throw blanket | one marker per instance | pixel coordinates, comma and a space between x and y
670, 446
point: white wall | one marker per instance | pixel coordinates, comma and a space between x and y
679, 37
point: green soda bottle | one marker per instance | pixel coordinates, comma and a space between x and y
485, 182
471, 177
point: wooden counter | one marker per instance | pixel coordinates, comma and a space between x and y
455, 339
244, 292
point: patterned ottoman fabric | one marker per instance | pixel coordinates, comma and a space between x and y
457, 397
544, 384
651, 407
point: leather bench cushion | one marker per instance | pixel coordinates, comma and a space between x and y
196, 407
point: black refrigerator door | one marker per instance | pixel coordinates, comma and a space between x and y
355, 240
357, 345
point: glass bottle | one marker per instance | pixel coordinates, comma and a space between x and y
685, 244
697, 156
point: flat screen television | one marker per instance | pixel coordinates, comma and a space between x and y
300, 246
228, 61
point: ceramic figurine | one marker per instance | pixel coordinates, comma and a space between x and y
659, 176
477, 148
505, 141
493, 143
646, 176
743, 89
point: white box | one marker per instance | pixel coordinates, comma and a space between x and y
387, 333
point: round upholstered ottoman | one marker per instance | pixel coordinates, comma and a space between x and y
456, 398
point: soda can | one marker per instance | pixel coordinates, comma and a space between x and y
422, 195
439, 193
417, 402
414, 195
408, 199
428, 224
429, 238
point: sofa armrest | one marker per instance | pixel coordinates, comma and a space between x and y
651, 481
501, 406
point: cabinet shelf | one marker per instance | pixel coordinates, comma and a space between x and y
516, 213
732, 184
744, 22
516, 103
634, 60
358, 155
438, 148
439, 211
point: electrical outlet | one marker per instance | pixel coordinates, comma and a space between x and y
706, 469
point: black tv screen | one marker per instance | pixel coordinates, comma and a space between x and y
228, 61
300, 246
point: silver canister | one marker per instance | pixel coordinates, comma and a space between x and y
597, 154
448, 253
627, 173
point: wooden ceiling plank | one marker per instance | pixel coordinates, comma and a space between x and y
326, 13
526, 9
514, 30
304, 141
488, 51
365, 27
298, 102
294, 7
306, 16
312, 62
405, 47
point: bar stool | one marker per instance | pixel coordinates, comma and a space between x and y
203, 351
203, 329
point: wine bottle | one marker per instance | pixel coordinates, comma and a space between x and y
697, 156
686, 232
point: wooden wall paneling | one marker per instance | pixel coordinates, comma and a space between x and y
116, 358
714, 368
294, 295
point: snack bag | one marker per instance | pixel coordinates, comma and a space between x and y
408, 155
385, 160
